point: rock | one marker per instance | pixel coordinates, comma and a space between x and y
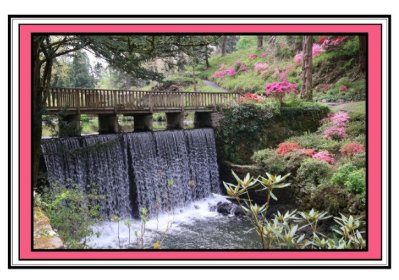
44, 237
238, 211
196, 206
224, 208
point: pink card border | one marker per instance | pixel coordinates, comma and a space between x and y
374, 251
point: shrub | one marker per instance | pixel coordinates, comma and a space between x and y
280, 89
355, 128
287, 147
251, 97
356, 181
341, 175
334, 132
261, 67
324, 156
315, 141
242, 129
270, 160
72, 213
340, 119
313, 172
351, 149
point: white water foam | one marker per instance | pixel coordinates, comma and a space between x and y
155, 228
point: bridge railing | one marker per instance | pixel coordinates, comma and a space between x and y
132, 100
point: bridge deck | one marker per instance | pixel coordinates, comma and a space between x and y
98, 101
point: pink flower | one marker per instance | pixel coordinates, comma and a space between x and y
298, 58
253, 56
343, 88
261, 67
307, 152
230, 72
324, 156
340, 119
316, 50
335, 132
263, 55
243, 67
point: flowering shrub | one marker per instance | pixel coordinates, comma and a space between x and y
340, 119
317, 49
335, 132
307, 152
298, 58
333, 42
230, 72
287, 147
322, 39
261, 67
280, 89
351, 149
251, 97
324, 156
263, 55
343, 88
243, 67
221, 73
253, 56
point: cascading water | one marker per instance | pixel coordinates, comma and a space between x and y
91, 162
173, 168
160, 171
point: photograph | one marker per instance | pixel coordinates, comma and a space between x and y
152, 141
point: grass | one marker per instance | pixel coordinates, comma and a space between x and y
353, 107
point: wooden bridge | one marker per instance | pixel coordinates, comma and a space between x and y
70, 103
101, 101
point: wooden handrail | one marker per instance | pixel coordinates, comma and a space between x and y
97, 100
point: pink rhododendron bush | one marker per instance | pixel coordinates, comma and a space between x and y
317, 49
261, 67
280, 89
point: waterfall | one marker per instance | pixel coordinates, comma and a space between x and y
160, 171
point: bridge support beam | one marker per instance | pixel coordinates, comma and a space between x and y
108, 124
202, 119
69, 125
175, 120
142, 122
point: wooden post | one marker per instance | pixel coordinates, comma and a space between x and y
150, 105
77, 100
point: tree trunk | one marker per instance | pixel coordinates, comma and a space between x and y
362, 53
36, 109
207, 59
259, 42
307, 68
224, 44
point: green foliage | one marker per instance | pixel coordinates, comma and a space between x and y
313, 172
355, 128
341, 176
71, 212
243, 126
356, 182
270, 160
316, 141
246, 42
284, 230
